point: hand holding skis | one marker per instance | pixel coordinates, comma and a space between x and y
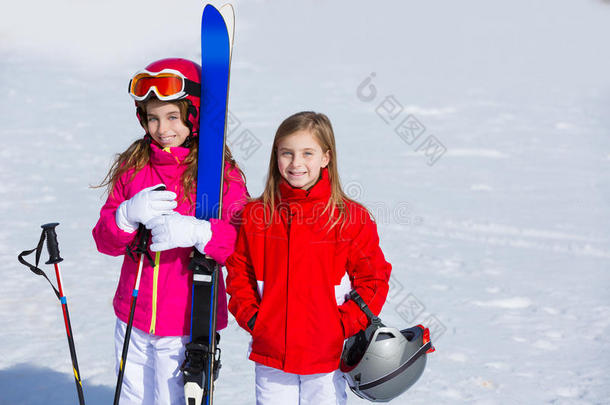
144, 206
175, 230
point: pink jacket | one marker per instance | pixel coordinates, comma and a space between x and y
164, 299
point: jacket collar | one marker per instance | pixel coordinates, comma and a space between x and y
319, 191
167, 156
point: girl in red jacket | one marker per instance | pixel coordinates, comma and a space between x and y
302, 246
167, 98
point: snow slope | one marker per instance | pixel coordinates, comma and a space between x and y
492, 205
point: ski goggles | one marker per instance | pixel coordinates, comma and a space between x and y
168, 84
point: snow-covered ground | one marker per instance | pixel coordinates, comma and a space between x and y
477, 133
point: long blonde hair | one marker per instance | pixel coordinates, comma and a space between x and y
320, 127
137, 154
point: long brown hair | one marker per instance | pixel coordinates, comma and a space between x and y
137, 154
320, 127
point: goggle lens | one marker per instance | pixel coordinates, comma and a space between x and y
166, 85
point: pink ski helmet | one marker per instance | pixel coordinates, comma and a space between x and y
170, 79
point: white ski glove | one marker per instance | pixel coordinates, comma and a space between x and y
144, 206
176, 230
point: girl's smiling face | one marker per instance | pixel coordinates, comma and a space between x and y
164, 123
300, 159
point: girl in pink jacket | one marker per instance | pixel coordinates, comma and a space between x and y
166, 155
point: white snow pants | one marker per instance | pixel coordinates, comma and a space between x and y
152, 371
276, 387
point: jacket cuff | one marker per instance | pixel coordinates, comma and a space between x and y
245, 318
350, 314
222, 243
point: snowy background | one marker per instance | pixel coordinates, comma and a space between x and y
477, 133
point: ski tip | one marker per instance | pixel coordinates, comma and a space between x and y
212, 8
227, 8
212, 14
228, 14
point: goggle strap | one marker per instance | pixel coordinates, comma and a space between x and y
192, 88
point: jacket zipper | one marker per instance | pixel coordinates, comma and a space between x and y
288, 223
153, 320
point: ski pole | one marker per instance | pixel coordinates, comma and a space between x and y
141, 248
55, 259
48, 233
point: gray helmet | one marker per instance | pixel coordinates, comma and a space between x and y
380, 362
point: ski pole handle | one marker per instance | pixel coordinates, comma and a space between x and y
143, 234
52, 245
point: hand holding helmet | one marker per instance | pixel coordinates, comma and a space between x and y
380, 362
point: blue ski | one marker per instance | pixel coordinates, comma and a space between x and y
202, 362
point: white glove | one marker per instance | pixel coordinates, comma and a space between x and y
172, 231
144, 206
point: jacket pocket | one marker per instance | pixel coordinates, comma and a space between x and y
268, 335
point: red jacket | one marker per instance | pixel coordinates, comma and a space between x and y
287, 272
